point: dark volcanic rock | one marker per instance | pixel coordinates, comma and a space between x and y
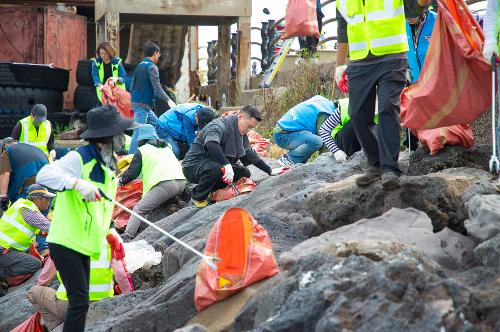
484, 215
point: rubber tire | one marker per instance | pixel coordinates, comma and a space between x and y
85, 98
84, 73
19, 100
7, 123
33, 76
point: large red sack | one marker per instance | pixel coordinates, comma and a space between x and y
436, 139
32, 324
111, 94
301, 19
244, 186
246, 256
258, 143
454, 87
127, 195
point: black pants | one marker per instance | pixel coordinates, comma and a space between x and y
208, 176
347, 140
413, 140
385, 79
74, 269
311, 43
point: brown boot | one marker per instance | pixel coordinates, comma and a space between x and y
372, 175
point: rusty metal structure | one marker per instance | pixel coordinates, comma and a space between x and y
110, 15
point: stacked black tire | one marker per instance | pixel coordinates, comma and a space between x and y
24, 85
85, 97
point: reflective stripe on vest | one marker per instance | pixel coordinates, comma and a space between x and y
31, 136
16, 233
376, 26
344, 116
114, 71
101, 277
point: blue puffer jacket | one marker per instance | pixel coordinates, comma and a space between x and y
304, 115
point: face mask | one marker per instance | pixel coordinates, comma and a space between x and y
108, 156
119, 141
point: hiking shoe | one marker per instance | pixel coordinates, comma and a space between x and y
285, 160
372, 175
390, 181
4, 286
200, 204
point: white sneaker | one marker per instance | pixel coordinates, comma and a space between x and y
285, 160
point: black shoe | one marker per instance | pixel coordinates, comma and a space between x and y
390, 181
3, 285
372, 175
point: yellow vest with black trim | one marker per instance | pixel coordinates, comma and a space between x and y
16, 233
101, 276
78, 225
158, 164
344, 116
376, 26
30, 135
114, 71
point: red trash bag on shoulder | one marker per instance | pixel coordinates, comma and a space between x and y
128, 195
436, 139
454, 87
301, 19
32, 324
246, 256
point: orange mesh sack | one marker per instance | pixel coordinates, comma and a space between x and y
128, 195
246, 255
436, 139
454, 87
301, 19
112, 94
244, 185
258, 143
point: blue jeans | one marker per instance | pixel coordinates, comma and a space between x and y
302, 144
142, 115
165, 135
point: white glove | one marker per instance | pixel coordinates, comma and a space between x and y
87, 190
489, 49
279, 170
52, 154
339, 71
170, 103
340, 156
228, 175
408, 75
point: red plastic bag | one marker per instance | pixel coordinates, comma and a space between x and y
301, 19
111, 94
454, 87
32, 324
436, 139
258, 143
246, 256
244, 185
127, 195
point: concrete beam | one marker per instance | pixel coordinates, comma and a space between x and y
214, 8
243, 57
224, 65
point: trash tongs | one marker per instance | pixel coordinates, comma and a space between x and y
494, 162
235, 189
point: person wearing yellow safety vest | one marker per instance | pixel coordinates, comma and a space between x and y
81, 218
36, 130
52, 304
161, 174
105, 65
19, 226
491, 40
374, 34
338, 134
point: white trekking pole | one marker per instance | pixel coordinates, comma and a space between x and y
208, 259
494, 163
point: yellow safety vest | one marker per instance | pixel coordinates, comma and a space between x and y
16, 233
344, 116
114, 70
376, 26
31, 136
101, 276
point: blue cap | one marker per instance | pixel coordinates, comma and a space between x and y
147, 132
39, 190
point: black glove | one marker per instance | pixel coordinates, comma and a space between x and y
4, 203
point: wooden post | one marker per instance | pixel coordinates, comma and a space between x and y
224, 68
112, 30
99, 32
243, 58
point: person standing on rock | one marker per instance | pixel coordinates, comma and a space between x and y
161, 173
212, 160
374, 34
81, 218
145, 87
297, 130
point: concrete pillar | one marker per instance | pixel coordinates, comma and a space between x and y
99, 32
112, 30
243, 58
194, 82
224, 65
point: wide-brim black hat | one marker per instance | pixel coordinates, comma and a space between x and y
105, 121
